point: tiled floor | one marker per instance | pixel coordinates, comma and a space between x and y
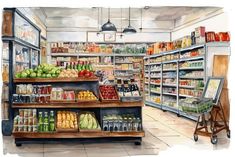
163, 130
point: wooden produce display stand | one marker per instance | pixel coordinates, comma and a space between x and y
100, 108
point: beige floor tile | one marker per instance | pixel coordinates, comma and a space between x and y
66, 153
147, 118
163, 131
24, 155
107, 145
25, 148
65, 146
175, 140
133, 152
106, 153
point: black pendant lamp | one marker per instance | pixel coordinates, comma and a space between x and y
108, 27
129, 29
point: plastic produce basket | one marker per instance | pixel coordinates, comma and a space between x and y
196, 106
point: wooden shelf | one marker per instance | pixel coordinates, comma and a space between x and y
78, 134
78, 105
49, 80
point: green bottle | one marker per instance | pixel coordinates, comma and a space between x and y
45, 122
82, 65
90, 66
40, 122
52, 121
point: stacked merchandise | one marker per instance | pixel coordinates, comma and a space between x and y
125, 122
199, 36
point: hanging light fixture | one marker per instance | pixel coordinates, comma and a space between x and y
141, 14
98, 24
129, 29
121, 35
108, 27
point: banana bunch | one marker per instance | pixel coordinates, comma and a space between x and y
88, 121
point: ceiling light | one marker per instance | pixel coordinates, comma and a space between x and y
129, 29
108, 27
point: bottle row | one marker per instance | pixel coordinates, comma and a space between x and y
32, 120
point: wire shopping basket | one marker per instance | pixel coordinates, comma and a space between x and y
196, 106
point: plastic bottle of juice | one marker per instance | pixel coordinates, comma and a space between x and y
40, 122
45, 122
52, 121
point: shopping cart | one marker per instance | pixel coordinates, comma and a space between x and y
207, 109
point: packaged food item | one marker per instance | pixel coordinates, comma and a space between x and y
200, 31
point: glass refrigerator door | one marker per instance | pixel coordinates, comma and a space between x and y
34, 59
21, 58
5, 78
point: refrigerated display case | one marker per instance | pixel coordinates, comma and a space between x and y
21, 50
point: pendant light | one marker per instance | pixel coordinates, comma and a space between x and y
108, 27
141, 14
121, 35
129, 29
98, 24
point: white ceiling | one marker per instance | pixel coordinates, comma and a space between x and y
153, 18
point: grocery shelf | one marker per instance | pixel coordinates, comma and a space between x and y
155, 70
155, 76
192, 68
153, 104
90, 134
171, 61
85, 104
169, 108
23, 62
192, 47
190, 77
169, 85
146, 82
155, 83
152, 91
123, 63
169, 69
187, 87
64, 54
169, 77
154, 63
155, 55
187, 96
130, 55
172, 94
51, 80
191, 58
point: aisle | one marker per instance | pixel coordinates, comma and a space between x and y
163, 131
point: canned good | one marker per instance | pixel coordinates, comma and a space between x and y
25, 128
34, 113
20, 121
30, 112
16, 119
30, 120
35, 128
20, 128
30, 128
49, 88
26, 114
35, 91
21, 112
33, 98
16, 128
16, 98
26, 121
29, 89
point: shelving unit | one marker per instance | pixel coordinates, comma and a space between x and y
100, 107
207, 48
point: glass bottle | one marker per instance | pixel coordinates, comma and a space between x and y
45, 122
52, 121
40, 122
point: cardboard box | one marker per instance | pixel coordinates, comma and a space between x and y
200, 31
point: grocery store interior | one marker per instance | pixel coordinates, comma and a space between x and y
98, 81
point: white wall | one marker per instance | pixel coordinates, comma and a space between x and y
92, 37
218, 23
